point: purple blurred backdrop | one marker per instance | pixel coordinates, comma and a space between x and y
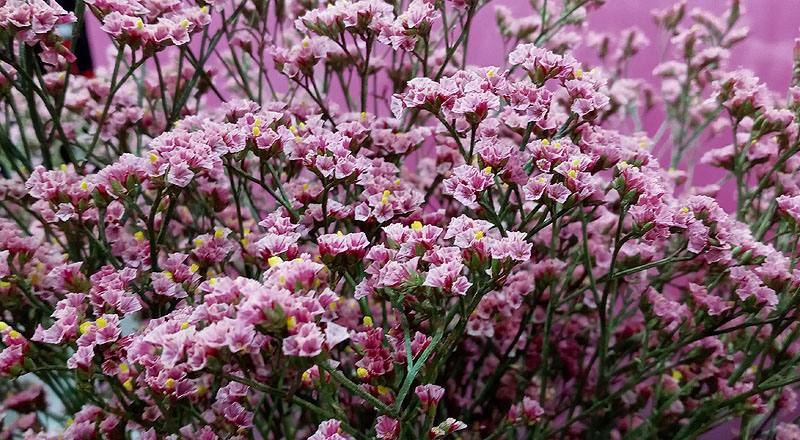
767, 51
773, 26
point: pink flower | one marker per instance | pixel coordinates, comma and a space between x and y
528, 410
307, 342
466, 182
429, 395
330, 430
387, 428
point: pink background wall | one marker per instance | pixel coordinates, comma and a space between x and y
773, 27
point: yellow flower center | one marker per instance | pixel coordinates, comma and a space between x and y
84, 327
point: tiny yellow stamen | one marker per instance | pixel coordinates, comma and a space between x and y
63, 167
139, 236
274, 261
128, 384
153, 157
417, 225
541, 180
306, 376
677, 375
291, 322
101, 322
368, 321
363, 115
168, 275
124, 368
84, 185
4, 326
490, 73
184, 23
305, 187
200, 390
13, 334
487, 170
479, 235
70, 422
212, 282
139, 24
362, 372
684, 210
385, 198
579, 73
169, 383
572, 173
219, 232
545, 142
198, 242
256, 131
194, 268
204, 9
184, 326
5, 284
382, 390
339, 233
84, 327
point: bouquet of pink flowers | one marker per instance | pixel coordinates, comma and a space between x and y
313, 219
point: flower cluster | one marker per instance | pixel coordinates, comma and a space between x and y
344, 231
